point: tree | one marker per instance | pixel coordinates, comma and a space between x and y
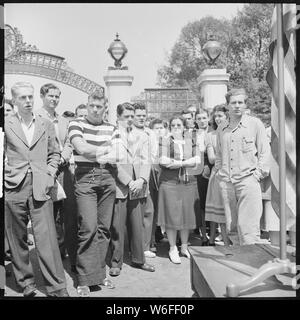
245, 40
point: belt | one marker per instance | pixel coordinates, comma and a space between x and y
93, 165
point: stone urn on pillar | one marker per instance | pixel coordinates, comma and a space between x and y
213, 82
117, 80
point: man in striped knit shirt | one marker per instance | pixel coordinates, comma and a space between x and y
97, 148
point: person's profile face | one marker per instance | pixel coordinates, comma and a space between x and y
237, 105
219, 116
189, 120
202, 120
51, 98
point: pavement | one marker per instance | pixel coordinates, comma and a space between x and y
168, 281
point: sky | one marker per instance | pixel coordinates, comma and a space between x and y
82, 33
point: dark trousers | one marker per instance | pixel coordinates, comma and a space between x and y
202, 184
65, 216
95, 192
130, 213
154, 199
19, 203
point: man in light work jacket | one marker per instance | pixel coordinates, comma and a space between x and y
131, 194
32, 159
64, 210
242, 160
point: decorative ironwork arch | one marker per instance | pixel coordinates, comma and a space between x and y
24, 59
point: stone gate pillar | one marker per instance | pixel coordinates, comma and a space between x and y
118, 83
213, 87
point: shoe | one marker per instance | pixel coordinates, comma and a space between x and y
29, 291
149, 254
174, 256
62, 293
211, 244
95, 288
185, 253
83, 291
114, 272
145, 267
29, 242
108, 284
219, 238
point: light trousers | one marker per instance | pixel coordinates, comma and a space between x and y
243, 209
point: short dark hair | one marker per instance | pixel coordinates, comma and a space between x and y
96, 95
155, 121
48, 86
68, 114
140, 106
219, 107
202, 110
236, 92
124, 106
81, 106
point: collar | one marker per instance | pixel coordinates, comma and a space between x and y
94, 124
22, 120
54, 117
243, 122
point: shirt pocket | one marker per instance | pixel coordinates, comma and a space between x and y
248, 144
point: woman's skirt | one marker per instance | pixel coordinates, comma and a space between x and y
214, 207
177, 205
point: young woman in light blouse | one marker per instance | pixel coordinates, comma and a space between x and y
179, 156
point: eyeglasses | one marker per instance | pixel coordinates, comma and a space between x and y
176, 125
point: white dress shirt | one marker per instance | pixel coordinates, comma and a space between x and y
27, 129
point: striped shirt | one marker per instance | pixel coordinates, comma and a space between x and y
103, 136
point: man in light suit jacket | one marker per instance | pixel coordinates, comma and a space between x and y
32, 160
64, 210
131, 193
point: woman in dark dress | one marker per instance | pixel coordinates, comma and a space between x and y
179, 157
